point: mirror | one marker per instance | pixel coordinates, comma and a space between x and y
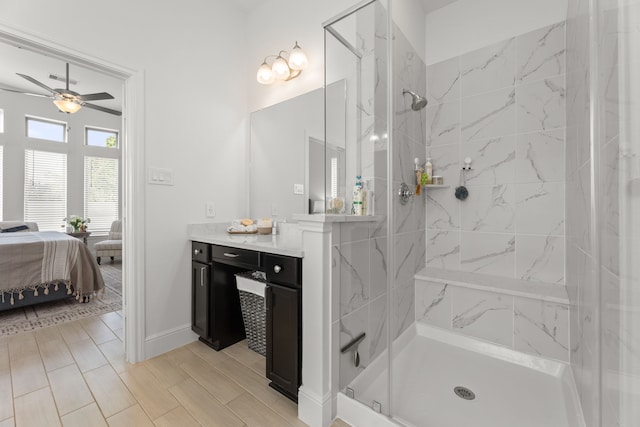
287, 166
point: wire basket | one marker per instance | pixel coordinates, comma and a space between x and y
254, 311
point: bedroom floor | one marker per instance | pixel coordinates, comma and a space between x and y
75, 375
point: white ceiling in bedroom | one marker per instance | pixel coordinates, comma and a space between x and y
38, 66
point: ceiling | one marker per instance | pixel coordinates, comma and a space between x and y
431, 5
38, 66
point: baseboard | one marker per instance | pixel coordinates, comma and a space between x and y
168, 340
314, 410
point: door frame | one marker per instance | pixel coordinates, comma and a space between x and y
133, 187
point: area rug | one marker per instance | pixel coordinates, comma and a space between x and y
56, 312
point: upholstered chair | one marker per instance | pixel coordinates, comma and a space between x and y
112, 247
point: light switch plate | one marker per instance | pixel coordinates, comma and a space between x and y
210, 210
159, 176
298, 188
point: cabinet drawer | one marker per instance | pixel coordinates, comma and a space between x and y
200, 252
235, 256
283, 269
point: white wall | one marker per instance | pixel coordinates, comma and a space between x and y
271, 28
14, 140
467, 25
193, 56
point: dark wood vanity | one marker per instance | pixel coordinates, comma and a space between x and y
217, 318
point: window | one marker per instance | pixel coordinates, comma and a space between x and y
45, 188
1, 179
101, 192
46, 129
101, 137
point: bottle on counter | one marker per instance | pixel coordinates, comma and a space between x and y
356, 208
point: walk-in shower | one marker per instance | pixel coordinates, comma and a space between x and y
530, 280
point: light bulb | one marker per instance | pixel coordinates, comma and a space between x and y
298, 60
265, 75
280, 68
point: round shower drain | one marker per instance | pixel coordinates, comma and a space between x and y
464, 393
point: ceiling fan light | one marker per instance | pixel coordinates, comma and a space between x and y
67, 106
265, 75
280, 68
298, 59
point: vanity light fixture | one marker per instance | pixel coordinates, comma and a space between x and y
281, 69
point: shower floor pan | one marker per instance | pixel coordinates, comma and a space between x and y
511, 388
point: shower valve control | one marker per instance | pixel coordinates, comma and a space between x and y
405, 193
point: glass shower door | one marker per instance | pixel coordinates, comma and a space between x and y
356, 49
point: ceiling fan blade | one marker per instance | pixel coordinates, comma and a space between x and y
96, 96
26, 93
103, 109
35, 82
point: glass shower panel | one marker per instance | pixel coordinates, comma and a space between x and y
618, 147
356, 53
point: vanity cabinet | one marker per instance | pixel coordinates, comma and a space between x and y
217, 317
284, 323
200, 289
215, 307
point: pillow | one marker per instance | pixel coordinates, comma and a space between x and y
14, 229
115, 235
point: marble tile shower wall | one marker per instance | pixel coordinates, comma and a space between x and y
503, 106
360, 263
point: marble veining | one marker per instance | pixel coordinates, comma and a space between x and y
541, 328
489, 208
491, 253
443, 124
541, 53
443, 249
493, 160
540, 156
483, 315
489, 115
540, 258
352, 261
541, 105
489, 68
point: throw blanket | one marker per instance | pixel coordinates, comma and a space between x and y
37, 260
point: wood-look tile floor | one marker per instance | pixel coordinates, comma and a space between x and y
75, 374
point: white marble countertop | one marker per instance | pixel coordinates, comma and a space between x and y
287, 242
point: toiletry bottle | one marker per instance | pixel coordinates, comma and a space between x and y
428, 169
357, 197
368, 199
363, 197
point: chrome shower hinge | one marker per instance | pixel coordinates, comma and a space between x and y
376, 406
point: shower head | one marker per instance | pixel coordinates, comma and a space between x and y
418, 103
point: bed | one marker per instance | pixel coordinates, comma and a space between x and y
41, 266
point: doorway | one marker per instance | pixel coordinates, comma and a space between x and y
132, 187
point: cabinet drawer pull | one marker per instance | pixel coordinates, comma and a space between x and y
203, 271
196, 252
231, 255
277, 269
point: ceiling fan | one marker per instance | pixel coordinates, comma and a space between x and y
67, 100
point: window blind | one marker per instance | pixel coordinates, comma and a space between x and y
1, 179
101, 201
45, 189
